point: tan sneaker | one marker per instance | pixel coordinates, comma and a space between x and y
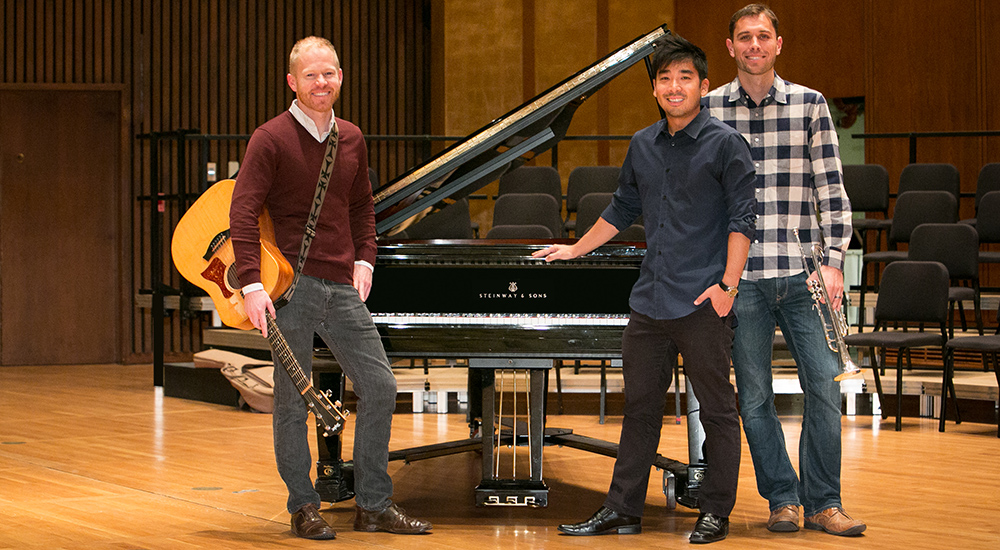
836, 522
784, 519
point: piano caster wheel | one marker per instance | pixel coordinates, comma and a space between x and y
670, 489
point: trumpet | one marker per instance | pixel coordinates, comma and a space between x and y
834, 323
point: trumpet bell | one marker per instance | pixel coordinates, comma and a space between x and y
850, 371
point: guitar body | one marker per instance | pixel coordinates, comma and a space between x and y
203, 254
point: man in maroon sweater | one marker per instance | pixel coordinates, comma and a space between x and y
280, 171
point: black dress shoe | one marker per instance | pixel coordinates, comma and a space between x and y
308, 524
604, 522
710, 528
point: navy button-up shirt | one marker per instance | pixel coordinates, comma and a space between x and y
692, 189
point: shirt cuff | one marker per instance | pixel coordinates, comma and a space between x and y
252, 287
835, 258
366, 264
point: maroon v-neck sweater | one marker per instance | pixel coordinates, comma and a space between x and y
280, 171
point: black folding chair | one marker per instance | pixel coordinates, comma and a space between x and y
451, 222
956, 245
582, 181
528, 209
911, 292
912, 209
989, 346
532, 179
868, 190
930, 177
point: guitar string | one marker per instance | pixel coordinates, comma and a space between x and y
285, 354
280, 345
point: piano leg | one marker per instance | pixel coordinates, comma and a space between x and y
500, 376
474, 414
334, 477
696, 450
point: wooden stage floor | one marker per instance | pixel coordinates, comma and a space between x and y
93, 457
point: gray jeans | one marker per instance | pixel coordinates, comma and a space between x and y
335, 312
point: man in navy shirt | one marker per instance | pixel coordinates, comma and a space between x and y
692, 180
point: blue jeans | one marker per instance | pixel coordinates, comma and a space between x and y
335, 312
787, 302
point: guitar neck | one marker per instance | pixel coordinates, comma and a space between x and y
329, 415
285, 355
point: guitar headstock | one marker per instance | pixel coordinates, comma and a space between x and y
330, 415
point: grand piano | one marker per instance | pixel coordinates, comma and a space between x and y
490, 303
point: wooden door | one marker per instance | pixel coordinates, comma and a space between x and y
60, 273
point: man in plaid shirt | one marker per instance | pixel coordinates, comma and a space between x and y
799, 185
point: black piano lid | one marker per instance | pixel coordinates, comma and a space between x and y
504, 143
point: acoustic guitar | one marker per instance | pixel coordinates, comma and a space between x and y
203, 254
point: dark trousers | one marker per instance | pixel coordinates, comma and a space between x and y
705, 342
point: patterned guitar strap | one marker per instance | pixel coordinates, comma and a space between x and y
310, 230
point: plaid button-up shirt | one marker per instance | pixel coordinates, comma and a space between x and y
797, 157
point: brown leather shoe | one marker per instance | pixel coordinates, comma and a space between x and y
391, 520
784, 519
308, 524
836, 522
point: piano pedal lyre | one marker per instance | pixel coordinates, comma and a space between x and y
513, 424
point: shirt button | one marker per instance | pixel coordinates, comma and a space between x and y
756, 165
756, 139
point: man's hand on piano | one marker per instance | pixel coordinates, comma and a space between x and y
556, 252
600, 233
256, 304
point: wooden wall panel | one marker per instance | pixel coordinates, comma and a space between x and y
823, 41
630, 102
916, 87
217, 67
558, 56
988, 81
482, 73
989, 70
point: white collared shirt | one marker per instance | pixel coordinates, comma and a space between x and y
308, 123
